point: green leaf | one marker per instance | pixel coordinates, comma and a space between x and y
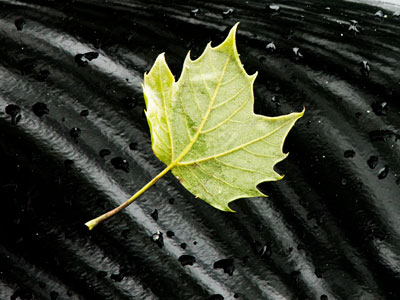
204, 129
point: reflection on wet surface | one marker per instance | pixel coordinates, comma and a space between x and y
74, 143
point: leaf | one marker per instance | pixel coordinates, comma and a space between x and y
204, 129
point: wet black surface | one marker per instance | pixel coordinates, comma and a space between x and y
330, 228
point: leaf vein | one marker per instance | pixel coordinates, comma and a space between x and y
230, 80
259, 154
239, 168
185, 117
227, 119
269, 143
211, 64
165, 111
199, 181
207, 89
238, 147
194, 94
219, 179
160, 123
230, 99
161, 139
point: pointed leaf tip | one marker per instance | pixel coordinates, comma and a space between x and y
230, 40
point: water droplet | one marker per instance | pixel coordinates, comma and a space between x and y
20, 23
344, 181
228, 13
216, 297
383, 172
171, 200
379, 14
158, 239
372, 161
75, 132
82, 60
318, 273
324, 297
271, 47
187, 260
364, 68
274, 7
236, 296
128, 103
133, 146
14, 111
120, 164
297, 52
170, 234
84, 113
101, 274
226, 264
91, 55
154, 215
262, 250
117, 277
104, 152
380, 108
353, 28
194, 12
40, 109
183, 245
349, 153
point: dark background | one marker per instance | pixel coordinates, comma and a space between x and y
330, 229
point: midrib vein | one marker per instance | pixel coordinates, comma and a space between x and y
204, 120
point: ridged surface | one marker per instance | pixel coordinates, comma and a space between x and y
330, 227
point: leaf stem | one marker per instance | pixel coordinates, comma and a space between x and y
94, 222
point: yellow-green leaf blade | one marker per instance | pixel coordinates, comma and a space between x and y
236, 172
157, 90
220, 149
